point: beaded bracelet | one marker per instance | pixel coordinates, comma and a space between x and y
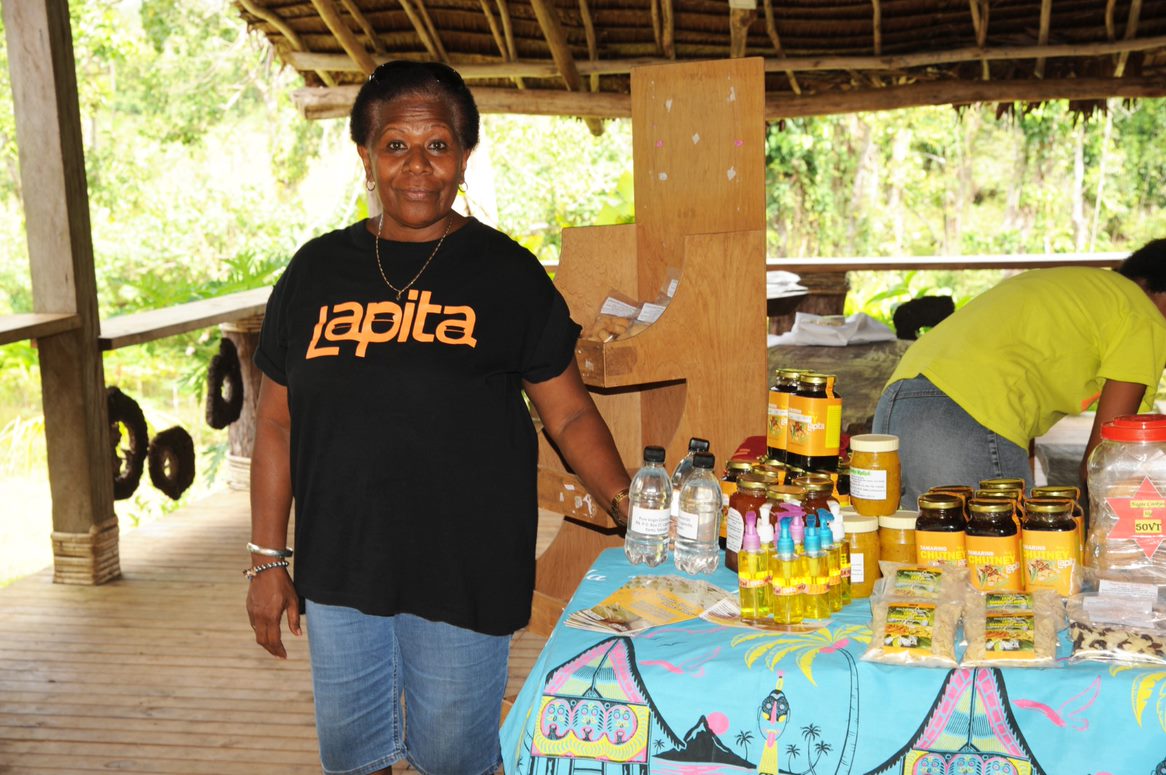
613, 508
263, 550
252, 572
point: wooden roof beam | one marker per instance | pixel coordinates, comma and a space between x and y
668, 28
552, 27
288, 33
980, 23
1046, 16
771, 29
592, 41
1131, 31
332, 103
432, 28
499, 40
657, 25
344, 36
365, 27
508, 34
423, 33
530, 69
877, 25
742, 13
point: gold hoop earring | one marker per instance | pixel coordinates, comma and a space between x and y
370, 184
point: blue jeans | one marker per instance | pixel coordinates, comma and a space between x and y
453, 681
940, 443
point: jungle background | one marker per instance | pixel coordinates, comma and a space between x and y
203, 180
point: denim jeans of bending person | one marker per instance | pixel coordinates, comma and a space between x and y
940, 443
452, 679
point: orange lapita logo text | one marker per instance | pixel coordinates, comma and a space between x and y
380, 322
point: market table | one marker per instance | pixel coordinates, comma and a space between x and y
697, 697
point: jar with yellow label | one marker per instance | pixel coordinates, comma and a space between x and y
1070, 493
815, 423
993, 545
1048, 546
862, 536
875, 474
785, 384
897, 537
939, 531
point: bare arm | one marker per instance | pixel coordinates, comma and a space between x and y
1117, 398
578, 430
271, 593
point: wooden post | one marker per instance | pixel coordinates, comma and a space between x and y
244, 334
56, 208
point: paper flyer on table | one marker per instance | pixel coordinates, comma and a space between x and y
649, 601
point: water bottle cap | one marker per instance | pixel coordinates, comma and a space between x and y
703, 460
696, 444
654, 454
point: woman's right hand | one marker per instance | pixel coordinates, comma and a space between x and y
269, 595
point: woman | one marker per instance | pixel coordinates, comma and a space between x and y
969, 397
395, 352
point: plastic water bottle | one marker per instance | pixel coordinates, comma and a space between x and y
698, 525
649, 515
683, 469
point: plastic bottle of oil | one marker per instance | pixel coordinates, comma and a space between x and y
833, 560
839, 544
753, 574
817, 573
786, 580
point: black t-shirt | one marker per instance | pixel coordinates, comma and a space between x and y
413, 455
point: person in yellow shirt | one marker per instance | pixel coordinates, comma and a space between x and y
970, 395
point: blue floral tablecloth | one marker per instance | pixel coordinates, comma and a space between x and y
697, 698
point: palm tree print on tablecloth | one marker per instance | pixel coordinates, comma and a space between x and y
776, 646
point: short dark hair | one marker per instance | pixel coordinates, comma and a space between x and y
399, 77
1147, 263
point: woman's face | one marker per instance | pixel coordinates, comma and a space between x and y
417, 162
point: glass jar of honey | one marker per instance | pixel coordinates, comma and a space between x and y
733, 470
875, 474
815, 423
749, 496
818, 489
1070, 493
939, 531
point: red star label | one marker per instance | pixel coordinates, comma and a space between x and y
1140, 517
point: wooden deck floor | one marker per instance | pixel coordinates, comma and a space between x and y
158, 672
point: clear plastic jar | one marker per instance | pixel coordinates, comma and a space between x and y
875, 474
897, 537
1128, 467
862, 535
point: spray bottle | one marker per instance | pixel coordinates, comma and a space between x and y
817, 576
753, 574
797, 531
786, 580
833, 559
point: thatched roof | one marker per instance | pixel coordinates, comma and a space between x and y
573, 57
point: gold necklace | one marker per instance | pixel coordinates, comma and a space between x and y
401, 291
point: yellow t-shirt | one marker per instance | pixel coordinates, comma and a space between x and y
1040, 346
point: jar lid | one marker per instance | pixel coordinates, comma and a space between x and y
785, 493
761, 475
874, 442
1136, 427
900, 520
990, 506
1002, 484
740, 466
751, 484
859, 524
940, 500
1069, 491
1049, 506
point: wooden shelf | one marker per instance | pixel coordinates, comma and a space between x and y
32, 325
700, 369
139, 327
